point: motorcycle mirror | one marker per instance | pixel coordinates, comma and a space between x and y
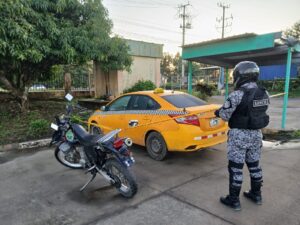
69, 97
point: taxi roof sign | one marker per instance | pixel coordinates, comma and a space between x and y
158, 90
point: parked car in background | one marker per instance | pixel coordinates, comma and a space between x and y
163, 121
37, 87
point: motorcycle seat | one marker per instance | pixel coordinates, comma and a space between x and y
84, 137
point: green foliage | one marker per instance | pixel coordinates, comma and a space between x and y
294, 30
141, 86
200, 95
170, 66
206, 89
38, 127
278, 85
296, 134
35, 35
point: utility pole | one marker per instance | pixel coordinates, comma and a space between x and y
186, 24
223, 19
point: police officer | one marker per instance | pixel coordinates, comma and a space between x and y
245, 110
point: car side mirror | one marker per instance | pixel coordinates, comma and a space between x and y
103, 108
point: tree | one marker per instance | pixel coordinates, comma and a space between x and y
35, 35
294, 31
171, 66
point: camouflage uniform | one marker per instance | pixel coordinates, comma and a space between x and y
243, 145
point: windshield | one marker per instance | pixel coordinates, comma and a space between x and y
183, 100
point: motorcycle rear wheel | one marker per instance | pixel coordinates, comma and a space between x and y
125, 182
65, 160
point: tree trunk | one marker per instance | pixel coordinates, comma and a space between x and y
68, 83
20, 94
23, 100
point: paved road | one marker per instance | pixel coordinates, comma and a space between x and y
184, 189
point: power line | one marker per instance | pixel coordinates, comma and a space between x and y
143, 35
136, 4
223, 19
146, 25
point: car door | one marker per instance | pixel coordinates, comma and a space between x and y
114, 115
140, 113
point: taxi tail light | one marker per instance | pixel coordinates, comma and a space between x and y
118, 143
190, 120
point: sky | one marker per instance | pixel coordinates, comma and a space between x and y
158, 21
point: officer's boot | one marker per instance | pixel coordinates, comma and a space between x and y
232, 200
254, 194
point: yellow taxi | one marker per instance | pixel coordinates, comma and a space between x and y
163, 121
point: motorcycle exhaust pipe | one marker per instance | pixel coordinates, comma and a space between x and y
105, 175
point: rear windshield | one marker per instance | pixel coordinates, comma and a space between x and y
183, 100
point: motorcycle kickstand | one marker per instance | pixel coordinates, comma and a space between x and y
89, 181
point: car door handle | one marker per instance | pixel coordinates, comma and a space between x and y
133, 123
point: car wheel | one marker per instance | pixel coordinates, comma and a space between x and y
96, 130
156, 146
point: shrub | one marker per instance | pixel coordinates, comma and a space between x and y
141, 85
200, 95
38, 127
206, 89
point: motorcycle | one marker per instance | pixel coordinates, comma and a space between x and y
107, 155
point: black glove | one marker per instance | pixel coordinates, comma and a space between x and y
217, 113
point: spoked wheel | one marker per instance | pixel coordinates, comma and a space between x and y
124, 181
156, 146
70, 159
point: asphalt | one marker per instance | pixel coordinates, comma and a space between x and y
185, 189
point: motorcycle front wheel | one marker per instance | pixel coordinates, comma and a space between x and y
124, 181
70, 159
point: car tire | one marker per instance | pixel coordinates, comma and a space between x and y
96, 130
156, 146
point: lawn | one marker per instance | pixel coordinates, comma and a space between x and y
16, 127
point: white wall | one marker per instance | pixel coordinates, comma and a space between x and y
143, 68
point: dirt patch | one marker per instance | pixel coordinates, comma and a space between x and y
17, 127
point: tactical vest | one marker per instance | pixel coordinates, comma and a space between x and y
251, 112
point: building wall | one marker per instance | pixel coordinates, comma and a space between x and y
143, 68
146, 66
276, 72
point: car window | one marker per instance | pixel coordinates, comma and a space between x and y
183, 100
119, 104
142, 102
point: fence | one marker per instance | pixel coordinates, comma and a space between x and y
79, 82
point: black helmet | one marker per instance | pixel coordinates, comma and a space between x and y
244, 72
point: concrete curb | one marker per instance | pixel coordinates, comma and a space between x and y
25, 145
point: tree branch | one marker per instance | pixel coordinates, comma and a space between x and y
7, 83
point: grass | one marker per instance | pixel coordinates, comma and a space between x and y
292, 94
15, 127
283, 135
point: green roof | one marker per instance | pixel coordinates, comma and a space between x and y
145, 49
263, 49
